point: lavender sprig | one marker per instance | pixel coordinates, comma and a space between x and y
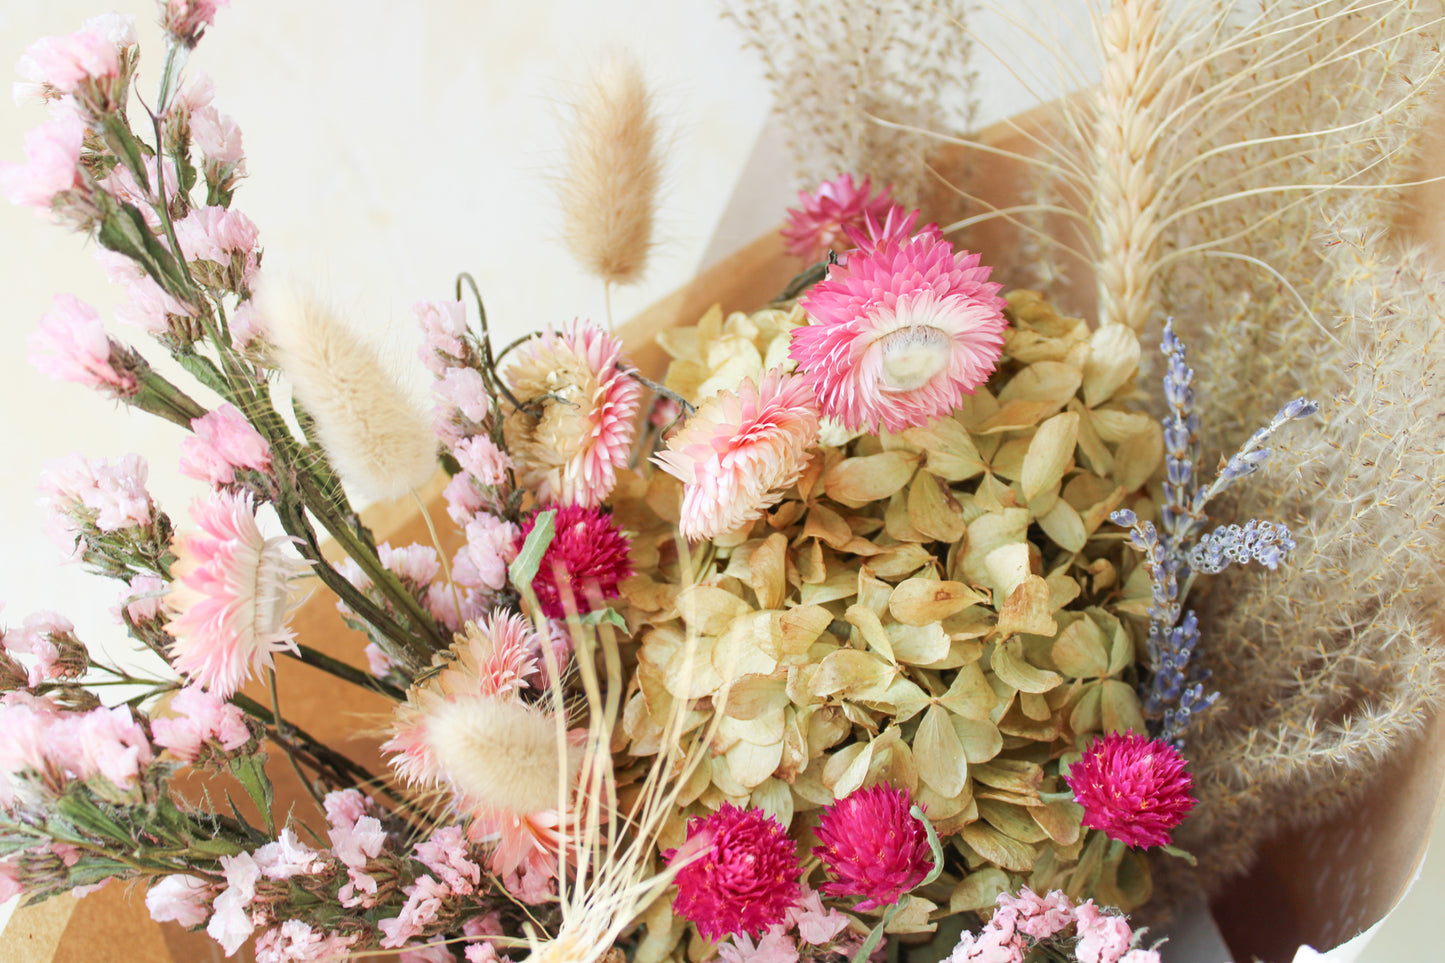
1175, 693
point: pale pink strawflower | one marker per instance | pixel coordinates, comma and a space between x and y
199, 717
584, 563
746, 877
818, 224
1133, 788
180, 898
52, 163
571, 451
872, 846
71, 345
738, 453
233, 592
223, 441
524, 845
900, 334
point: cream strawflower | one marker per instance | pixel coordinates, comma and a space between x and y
739, 452
579, 414
233, 590
900, 334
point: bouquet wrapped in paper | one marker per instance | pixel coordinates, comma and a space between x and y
901, 608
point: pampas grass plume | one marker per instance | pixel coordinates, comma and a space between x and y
614, 168
374, 432
498, 753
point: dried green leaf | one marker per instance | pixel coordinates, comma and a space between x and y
979, 891
1082, 650
969, 696
932, 510
922, 601
1009, 664
1050, 454
1001, 850
939, 753
857, 481
1113, 359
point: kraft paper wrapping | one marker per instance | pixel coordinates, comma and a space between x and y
1317, 887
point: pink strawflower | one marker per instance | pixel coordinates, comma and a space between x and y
584, 564
182, 899
52, 163
199, 717
71, 345
186, 19
738, 452
895, 228
873, 846
423, 901
223, 441
1039, 917
900, 334
741, 874
296, 942
571, 451
232, 591
92, 57
443, 325
1103, 937
820, 222
1133, 788
447, 855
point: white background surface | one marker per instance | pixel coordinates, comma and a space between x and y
392, 145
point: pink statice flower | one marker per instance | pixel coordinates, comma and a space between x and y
215, 233
775, 946
52, 163
491, 546
740, 873
219, 139
738, 453
288, 856
1039, 917
81, 493
344, 807
483, 461
447, 855
222, 442
143, 598
579, 414
378, 663
150, 308
248, 328
463, 498
900, 334
426, 953
872, 846
109, 743
584, 564
424, 899
296, 942
1133, 788
48, 638
462, 405
185, 20
356, 844
231, 925
233, 592
816, 924
10, 880
87, 63
71, 345
444, 326
200, 717
180, 898
1103, 937
820, 222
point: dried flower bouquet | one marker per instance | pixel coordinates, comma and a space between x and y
869, 617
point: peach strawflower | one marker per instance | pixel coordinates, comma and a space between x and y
579, 414
820, 223
738, 452
233, 591
900, 334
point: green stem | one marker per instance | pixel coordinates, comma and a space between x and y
346, 672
